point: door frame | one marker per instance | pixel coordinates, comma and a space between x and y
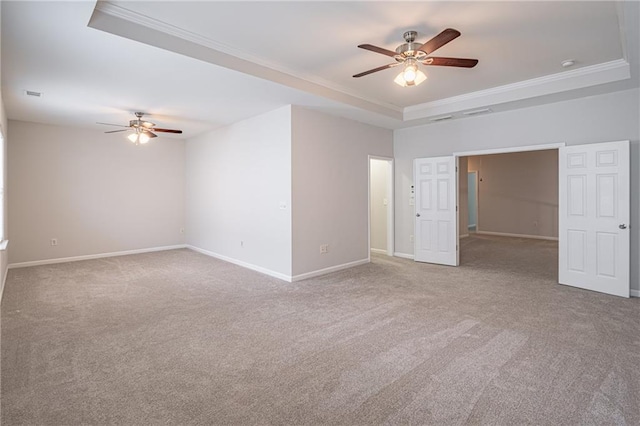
390, 205
632, 292
505, 150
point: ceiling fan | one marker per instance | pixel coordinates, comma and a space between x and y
142, 130
411, 53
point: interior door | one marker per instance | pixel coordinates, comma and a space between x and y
436, 218
594, 217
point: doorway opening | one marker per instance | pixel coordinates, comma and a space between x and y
381, 237
512, 194
472, 201
590, 218
511, 213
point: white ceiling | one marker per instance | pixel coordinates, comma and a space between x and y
201, 65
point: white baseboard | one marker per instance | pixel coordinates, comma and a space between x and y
284, 277
4, 281
403, 255
380, 251
634, 293
247, 265
5, 270
93, 256
507, 234
324, 271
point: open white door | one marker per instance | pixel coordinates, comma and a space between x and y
594, 217
436, 200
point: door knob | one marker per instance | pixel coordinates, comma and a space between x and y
417, 214
623, 226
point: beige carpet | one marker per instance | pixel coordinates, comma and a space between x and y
179, 338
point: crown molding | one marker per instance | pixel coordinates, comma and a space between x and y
121, 21
622, 30
561, 82
289, 77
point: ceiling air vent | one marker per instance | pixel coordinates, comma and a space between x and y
32, 93
444, 117
477, 111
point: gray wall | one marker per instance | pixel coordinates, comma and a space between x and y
268, 191
518, 192
603, 118
237, 179
95, 193
4, 258
330, 158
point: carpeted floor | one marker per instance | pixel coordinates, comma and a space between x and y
179, 338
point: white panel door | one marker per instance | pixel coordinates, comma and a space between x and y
594, 217
436, 199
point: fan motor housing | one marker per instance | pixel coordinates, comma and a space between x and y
141, 123
410, 48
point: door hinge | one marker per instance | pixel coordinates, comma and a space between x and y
456, 208
456, 247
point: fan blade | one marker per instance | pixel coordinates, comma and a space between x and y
440, 40
109, 124
377, 49
451, 62
167, 130
384, 67
116, 131
148, 133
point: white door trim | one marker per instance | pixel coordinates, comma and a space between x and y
510, 149
390, 206
504, 150
541, 147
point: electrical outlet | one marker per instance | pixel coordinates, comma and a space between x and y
324, 248
54, 241
410, 238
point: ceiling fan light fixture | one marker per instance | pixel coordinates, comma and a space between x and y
410, 72
139, 137
419, 78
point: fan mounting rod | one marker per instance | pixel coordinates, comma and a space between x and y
140, 123
410, 36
